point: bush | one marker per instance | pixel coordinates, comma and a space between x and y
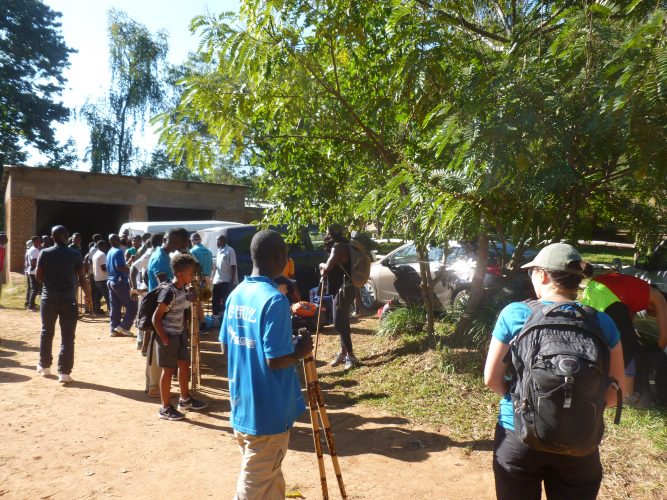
481, 326
403, 321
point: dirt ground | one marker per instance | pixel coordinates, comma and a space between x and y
100, 435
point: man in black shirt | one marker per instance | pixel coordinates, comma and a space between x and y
58, 268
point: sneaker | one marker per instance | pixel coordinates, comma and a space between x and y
191, 404
351, 362
44, 372
170, 413
64, 378
338, 359
122, 332
114, 333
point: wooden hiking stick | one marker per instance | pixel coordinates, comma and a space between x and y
319, 315
316, 400
315, 423
195, 370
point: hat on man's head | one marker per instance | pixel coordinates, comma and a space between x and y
556, 257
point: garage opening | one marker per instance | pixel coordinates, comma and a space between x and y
84, 218
158, 214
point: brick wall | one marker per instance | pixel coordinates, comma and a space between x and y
229, 215
20, 214
138, 213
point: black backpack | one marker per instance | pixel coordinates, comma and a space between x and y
561, 367
149, 305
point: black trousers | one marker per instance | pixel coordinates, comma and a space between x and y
620, 313
66, 311
101, 292
34, 289
519, 472
342, 304
220, 293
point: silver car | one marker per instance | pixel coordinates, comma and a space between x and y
451, 281
380, 286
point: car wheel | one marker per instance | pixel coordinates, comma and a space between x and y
368, 296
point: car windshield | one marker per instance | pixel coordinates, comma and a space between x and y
408, 254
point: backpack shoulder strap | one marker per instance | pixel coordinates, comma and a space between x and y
165, 285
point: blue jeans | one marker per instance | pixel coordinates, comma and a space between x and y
67, 311
119, 295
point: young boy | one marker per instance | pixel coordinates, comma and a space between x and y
172, 339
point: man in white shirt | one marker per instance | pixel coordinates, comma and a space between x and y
31, 260
225, 275
99, 265
138, 268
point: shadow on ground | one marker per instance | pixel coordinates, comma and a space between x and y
390, 439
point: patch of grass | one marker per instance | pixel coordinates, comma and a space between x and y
13, 293
407, 380
634, 455
403, 321
601, 254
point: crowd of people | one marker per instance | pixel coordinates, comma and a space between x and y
116, 272
257, 336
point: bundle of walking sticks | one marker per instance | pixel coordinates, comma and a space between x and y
316, 405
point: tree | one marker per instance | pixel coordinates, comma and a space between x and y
476, 120
137, 60
33, 56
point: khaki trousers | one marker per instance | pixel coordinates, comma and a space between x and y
261, 477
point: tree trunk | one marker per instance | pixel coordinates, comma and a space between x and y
121, 140
427, 291
477, 286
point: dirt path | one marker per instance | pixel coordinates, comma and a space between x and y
100, 436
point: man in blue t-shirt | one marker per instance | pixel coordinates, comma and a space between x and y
264, 389
159, 267
119, 290
204, 256
205, 260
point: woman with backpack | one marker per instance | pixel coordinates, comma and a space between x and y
531, 421
337, 270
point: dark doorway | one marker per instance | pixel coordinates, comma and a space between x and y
84, 218
157, 214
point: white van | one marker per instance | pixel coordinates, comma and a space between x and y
140, 227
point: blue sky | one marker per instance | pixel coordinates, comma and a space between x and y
84, 28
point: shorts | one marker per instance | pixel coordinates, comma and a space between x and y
169, 355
